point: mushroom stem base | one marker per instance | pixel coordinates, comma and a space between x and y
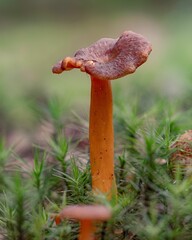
101, 137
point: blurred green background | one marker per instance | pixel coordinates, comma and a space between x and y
34, 35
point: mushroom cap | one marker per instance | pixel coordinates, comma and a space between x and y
86, 212
182, 156
108, 58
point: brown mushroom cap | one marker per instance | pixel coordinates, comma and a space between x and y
182, 156
109, 59
90, 212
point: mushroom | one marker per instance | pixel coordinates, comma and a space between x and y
105, 60
87, 215
181, 157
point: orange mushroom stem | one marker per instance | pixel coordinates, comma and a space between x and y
87, 215
101, 137
105, 60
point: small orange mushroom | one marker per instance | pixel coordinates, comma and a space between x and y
105, 60
87, 215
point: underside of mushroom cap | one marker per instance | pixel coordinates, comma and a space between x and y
109, 59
